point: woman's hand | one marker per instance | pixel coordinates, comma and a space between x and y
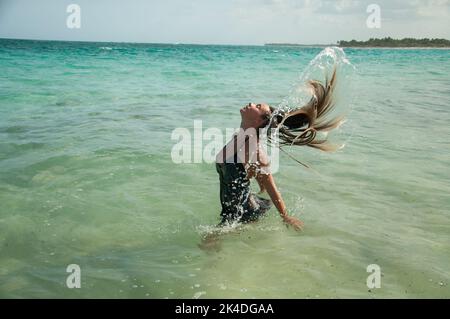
251, 170
294, 222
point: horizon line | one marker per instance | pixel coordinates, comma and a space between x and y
285, 44
166, 43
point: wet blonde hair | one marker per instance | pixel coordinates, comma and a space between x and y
300, 126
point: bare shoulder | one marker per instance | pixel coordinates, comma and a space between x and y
263, 158
263, 161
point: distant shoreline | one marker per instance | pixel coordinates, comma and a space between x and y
353, 47
387, 42
397, 43
237, 45
400, 48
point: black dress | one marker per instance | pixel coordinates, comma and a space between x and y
238, 202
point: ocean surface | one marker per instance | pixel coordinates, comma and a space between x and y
87, 176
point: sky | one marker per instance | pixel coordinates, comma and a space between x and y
252, 22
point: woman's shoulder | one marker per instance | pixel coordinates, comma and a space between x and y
263, 161
263, 158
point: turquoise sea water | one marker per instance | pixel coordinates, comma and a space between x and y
86, 175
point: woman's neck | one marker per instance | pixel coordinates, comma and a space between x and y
245, 127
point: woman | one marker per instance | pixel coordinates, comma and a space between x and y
243, 157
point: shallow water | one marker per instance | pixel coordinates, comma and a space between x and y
86, 175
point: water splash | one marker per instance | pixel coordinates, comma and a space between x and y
320, 68
226, 228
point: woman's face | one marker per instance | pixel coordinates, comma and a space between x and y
253, 114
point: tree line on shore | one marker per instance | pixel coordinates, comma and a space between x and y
390, 42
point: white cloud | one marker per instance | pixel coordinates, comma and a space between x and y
343, 5
433, 8
225, 21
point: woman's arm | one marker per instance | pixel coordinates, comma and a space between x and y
262, 189
267, 182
